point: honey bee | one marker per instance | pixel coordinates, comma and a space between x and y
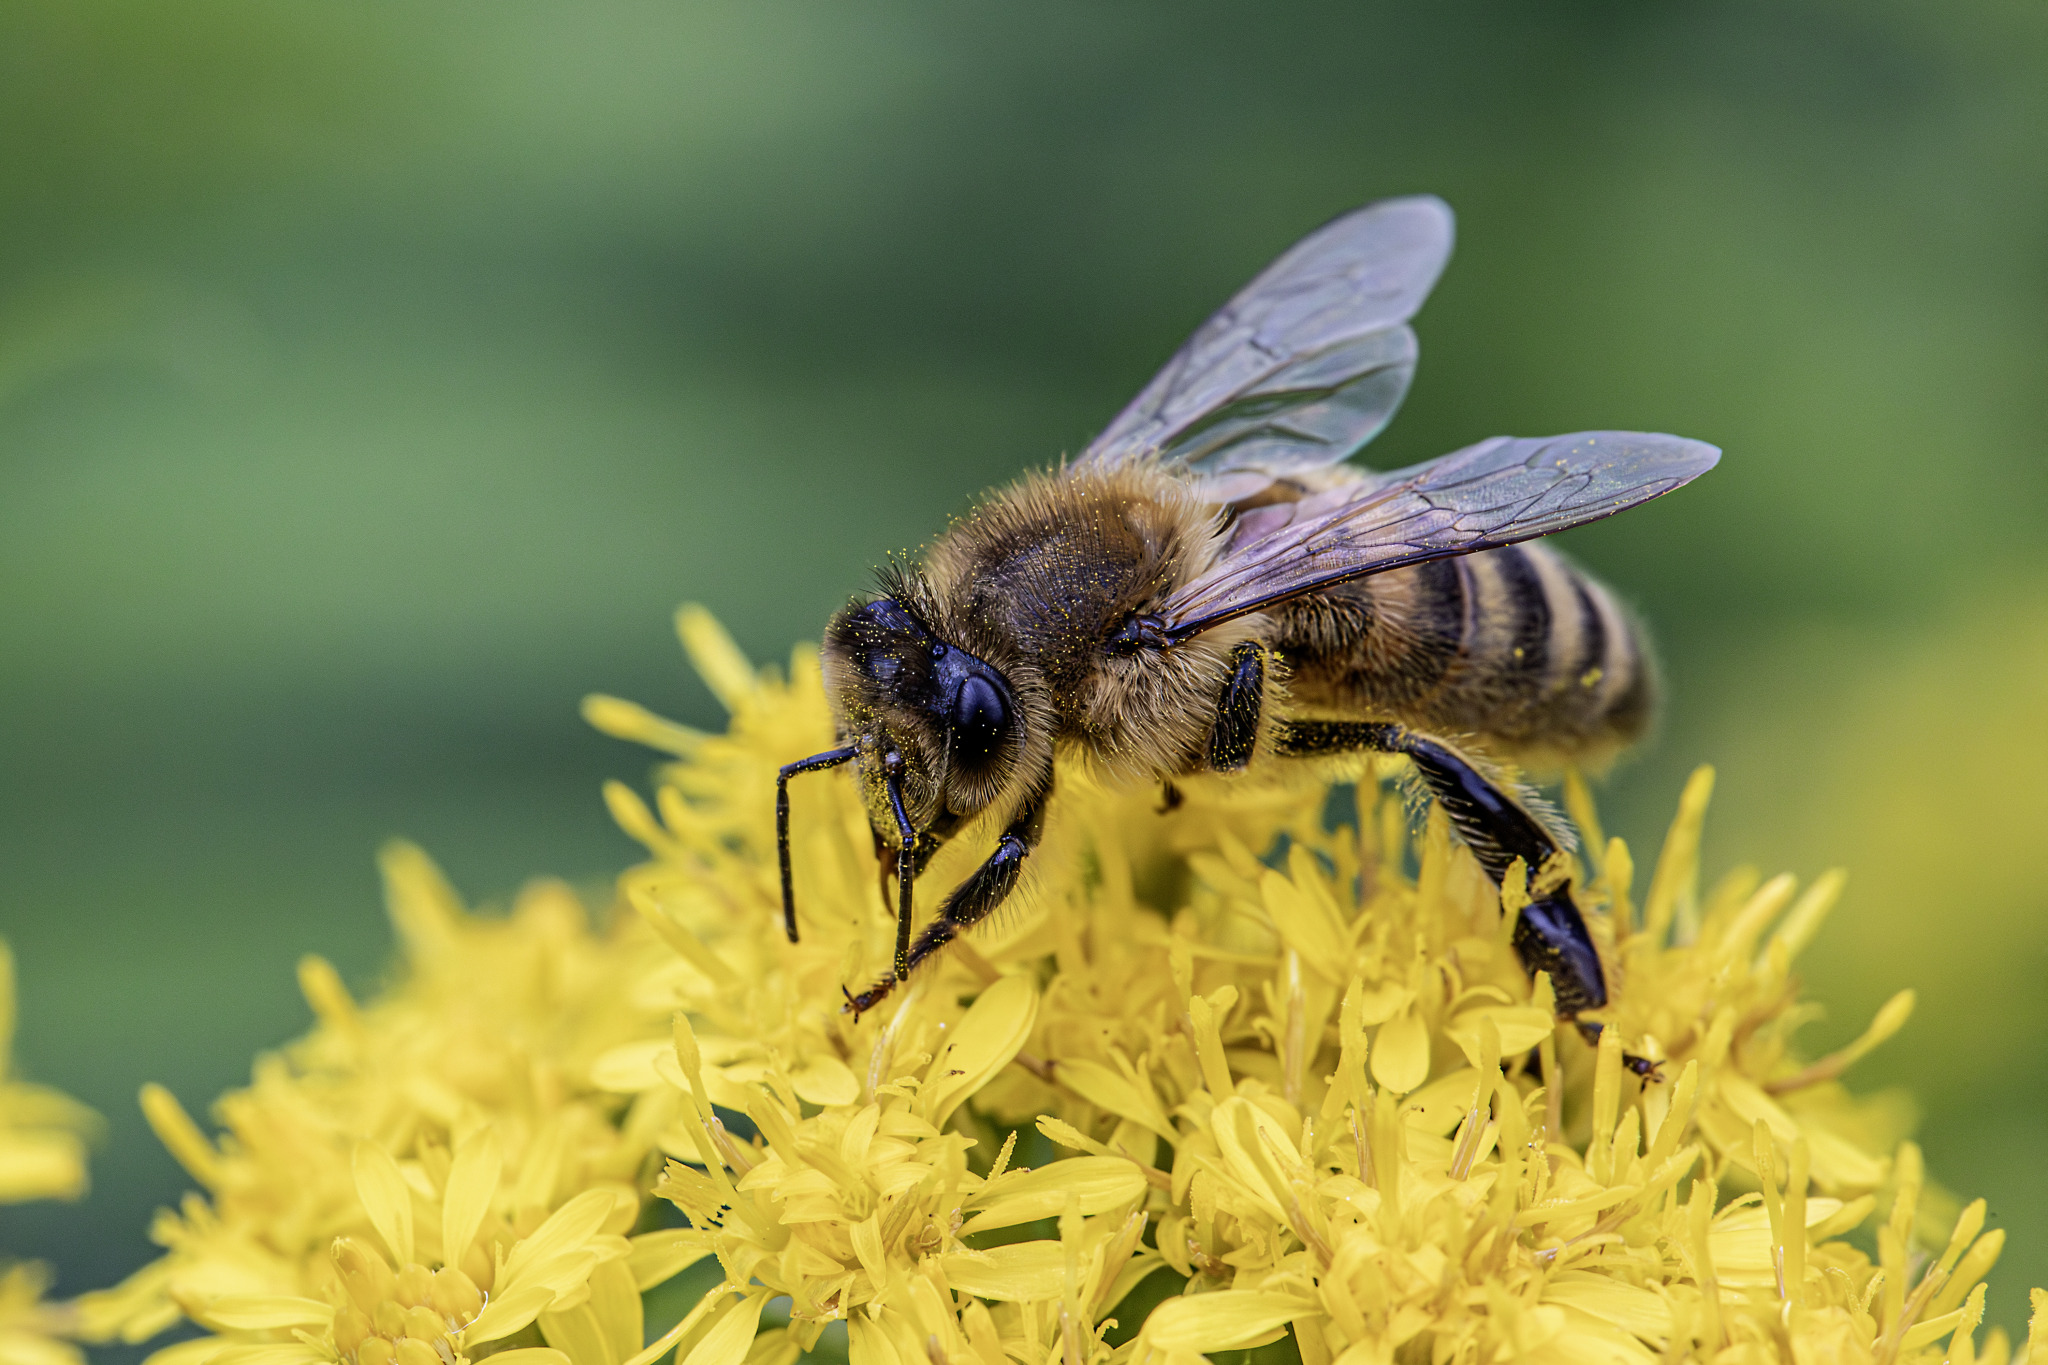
1207, 588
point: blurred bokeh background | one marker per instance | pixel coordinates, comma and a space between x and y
375, 379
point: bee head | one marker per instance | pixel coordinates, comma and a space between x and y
924, 715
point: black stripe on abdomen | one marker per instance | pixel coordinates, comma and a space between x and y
1436, 621
1528, 642
1589, 666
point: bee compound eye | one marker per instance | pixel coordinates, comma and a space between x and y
980, 716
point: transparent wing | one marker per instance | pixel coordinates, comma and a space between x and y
1494, 493
1306, 364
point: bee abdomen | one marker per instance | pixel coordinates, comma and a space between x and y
1515, 645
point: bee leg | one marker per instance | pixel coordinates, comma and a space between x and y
831, 758
973, 900
887, 857
1236, 732
906, 866
1550, 934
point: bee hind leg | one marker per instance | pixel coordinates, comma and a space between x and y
1550, 934
971, 902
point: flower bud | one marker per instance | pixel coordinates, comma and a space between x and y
351, 1329
413, 1286
425, 1324
368, 1280
456, 1295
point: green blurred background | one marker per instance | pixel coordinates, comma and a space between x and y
375, 379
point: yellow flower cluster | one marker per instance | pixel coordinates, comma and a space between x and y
1277, 1064
42, 1156
1260, 1070
427, 1174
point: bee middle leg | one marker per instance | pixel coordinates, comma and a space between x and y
1236, 732
971, 902
1550, 933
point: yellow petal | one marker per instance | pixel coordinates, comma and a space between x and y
32, 1348
658, 1257
530, 1355
1257, 1150
1105, 1089
630, 1067
825, 1080
637, 725
41, 1165
984, 1041
472, 1184
200, 1350
1017, 1273
1585, 1339
867, 1343
273, 1353
180, 1136
1741, 1248
1382, 1003
264, 1312
1400, 1053
1306, 921
579, 1335
1100, 1183
1521, 1028
716, 658
386, 1198
506, 1313
1225, 1320
727, 1341
1634, 1309
569, 1227
615, 1304
1439, 1106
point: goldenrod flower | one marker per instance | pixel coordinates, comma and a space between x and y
42, 1156
428, 1174
1316, 1086
1272, 1047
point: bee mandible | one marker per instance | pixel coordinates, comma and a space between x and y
1208, 587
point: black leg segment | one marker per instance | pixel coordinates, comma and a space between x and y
972, 901
1237, 719
1550, 935
831, 758
906, 866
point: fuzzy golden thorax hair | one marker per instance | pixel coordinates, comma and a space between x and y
1033, 583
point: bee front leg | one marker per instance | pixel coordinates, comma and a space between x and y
888, 859
831, 758
973, 900
1550, 933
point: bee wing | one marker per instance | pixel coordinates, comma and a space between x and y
1306, 363
1495, 493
